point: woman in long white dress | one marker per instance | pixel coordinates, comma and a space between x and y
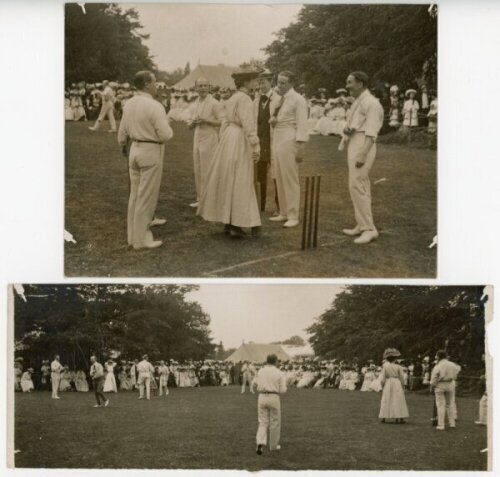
110, 380
26, 381
65, 383
229, 196
410, 109
393, 402
368, 379
81, 383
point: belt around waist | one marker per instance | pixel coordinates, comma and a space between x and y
268, 392
145, 141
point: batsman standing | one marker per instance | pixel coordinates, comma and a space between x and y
364, 121
270, 384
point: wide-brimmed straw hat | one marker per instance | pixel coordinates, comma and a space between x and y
246, 70
391, 353
408, 91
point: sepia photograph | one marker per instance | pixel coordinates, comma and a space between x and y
238, 140
249, 377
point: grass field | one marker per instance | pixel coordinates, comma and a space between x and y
215, 428
96, 189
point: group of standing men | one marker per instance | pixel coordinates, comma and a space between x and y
280, 127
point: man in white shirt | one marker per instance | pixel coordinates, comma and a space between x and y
163, 372
205, 119
291, 132
145, 123
56, 368
443, 378
97, 376
145, 370
107, 108
270, 384
364, 121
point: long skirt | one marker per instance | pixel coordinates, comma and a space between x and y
110, 383
393, 403
229, 196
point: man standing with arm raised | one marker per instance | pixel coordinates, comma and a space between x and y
145, 123
289, 118
270, 384
364, 121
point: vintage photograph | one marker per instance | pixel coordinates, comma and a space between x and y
249, 377
250, 140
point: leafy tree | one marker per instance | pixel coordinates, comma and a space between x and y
294, 340
187, 69
104, 43
364, 320
392, 43
76, 321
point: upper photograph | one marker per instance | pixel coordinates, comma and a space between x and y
250, 140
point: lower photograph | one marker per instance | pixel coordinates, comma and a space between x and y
249, 377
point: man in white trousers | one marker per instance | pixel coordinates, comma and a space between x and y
145, 370
270, 383
205, 119
443, 378
291, 132
56, 368
146, 125
107, 108
364, 121
163, 372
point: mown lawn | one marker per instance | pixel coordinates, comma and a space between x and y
405, 209
215, 428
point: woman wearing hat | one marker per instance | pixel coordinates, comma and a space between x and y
229, 196
26, 381
410, 109
393, 403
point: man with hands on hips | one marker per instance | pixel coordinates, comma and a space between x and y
364, 121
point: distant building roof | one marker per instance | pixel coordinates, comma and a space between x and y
257, 353
217, 75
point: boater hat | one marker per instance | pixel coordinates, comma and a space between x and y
391, 353
246, 70
266, 74
408, 91
341, 90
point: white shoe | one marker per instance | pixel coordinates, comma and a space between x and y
278, 218
291, 223
352, 232
106, 404
438, 428
112, 131
153, 244
156, 221
57, 397
366, 237
97, 405
92, 128
194, 204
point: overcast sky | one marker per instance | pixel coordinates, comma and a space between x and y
210, 34
262, 313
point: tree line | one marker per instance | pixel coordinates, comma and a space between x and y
392, 43
362, 321
77, 321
